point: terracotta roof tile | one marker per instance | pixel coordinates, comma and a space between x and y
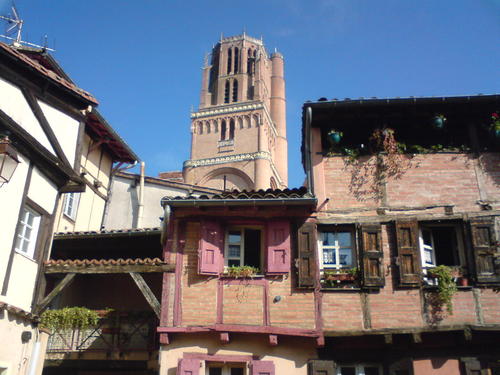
251, 194
17, 311
104, 262
110, 232
48, 73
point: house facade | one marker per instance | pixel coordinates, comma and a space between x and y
42, 117
386, 264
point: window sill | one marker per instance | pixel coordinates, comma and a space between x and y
26, 256
227, 276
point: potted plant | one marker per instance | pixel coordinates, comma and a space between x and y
335, 136
341, 274
446, 285
69, 318
438, 121
495, 124
242, 271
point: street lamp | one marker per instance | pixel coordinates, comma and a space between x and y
8, 159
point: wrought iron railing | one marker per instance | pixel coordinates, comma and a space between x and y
123, 332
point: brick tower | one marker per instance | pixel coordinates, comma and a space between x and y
238, 134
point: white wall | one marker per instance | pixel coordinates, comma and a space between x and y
13, 103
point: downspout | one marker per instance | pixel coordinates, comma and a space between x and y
35, 354
308, 148
140, 206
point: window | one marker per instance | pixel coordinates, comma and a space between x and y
226, 92
243, 247
27, 232
223, 130
229, 60
235, 91
336, 249
359, 370
440, 245
239, 245
231, 129
236, 369
71, 201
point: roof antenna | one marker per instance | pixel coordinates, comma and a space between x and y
14, 30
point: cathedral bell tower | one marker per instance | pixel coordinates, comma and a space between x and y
238, 134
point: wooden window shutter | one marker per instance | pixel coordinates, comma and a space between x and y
210, 260
278, 247
188, 367
410, 269
319, 367
372, 256
306, 261
262, 368
484, 249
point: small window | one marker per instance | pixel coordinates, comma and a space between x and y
440, 245
223, 130
226, 92
27, 232
236, 59
236, 369
235, 91
229, 60
243, 247
336, 249
231, 129
71, 201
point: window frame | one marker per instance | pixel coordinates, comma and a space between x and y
359, 368
225, 367
354, 249
71, 213
34, 236
241, 229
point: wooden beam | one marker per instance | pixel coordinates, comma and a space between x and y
164, 339
417, 337
273, 340
320, 341
147, 293
58, 289
224, 337
89, 269
467, 334
388, 339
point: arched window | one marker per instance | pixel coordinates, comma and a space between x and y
216, 126
229, 60
200, 128
207, 125
226, 92
255, 120
240, 122
236, 59
248, 120
231, 129
250, 62
235, 90
223, 130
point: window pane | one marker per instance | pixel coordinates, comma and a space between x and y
237, 371
233, 262
329, 257
347, 370
328, 238
234, 251
215, 371
344, 239
30, 218
371, 370
345, 257
234, 237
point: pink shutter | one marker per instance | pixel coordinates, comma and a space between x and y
210, 261
188, 367
262, 368
278, 247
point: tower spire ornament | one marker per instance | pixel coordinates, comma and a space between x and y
239, 130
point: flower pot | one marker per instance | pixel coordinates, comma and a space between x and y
335, 137
340, 277
463, 281
438, 122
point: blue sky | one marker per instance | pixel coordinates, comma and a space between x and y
142, 59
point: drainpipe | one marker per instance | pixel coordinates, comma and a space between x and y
35, 354
308, 147
140, 207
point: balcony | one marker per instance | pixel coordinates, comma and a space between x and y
119, 334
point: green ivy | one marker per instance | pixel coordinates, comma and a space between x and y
69, 318
446, 285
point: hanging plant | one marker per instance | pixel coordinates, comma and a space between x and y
438, 121
335, 136
446, 285
495, 124
69, 318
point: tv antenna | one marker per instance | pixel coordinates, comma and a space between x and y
14, 29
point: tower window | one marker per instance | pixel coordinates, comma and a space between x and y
231, 129
236, 60
250, 62
226, 92
235, 90
200, 128
229, 60
223, 131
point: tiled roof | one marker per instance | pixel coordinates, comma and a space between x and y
243, 197
16, 311
48, 73
104, 262
251, 194
110, 233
